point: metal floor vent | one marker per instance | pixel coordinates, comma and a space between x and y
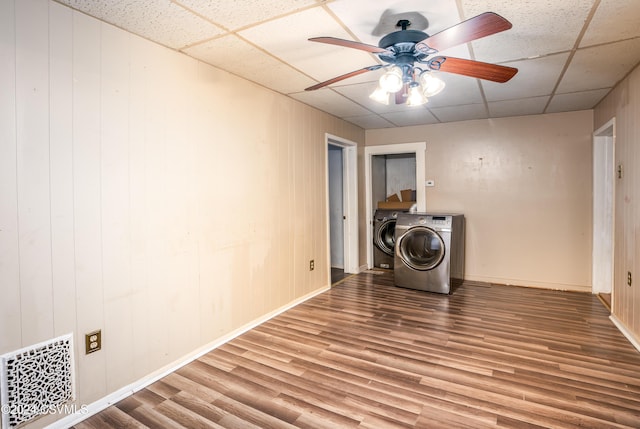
36, 380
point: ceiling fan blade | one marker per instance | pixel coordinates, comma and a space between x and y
483, 25
471, 68
350, 44
342, 77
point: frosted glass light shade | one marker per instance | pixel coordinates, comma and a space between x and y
391, 81
416, 97
431, 85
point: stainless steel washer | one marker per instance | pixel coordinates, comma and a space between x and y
429, 251
384, 225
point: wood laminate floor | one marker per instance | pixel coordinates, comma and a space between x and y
367, 354
337, 274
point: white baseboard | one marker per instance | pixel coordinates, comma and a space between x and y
120, 394
626, 332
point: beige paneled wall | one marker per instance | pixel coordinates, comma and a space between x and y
146, 194
524, 185
623, 104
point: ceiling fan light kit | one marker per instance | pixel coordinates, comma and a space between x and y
418, 92
402, 49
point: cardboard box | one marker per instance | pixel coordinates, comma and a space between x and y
393, 197
407, 195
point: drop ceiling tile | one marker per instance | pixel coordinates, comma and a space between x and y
535, 77
287, 37
529, 106
237, 14
161, 20
460, 113
230, 53
331, 102
600, 66
418, 115
369, 122
576, 100
614, 20
540, 27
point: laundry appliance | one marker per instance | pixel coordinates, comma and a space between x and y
429, 251
384, 225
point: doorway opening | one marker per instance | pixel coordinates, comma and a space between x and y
401, 153
603, 212
342, 207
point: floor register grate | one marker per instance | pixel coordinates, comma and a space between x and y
36, 380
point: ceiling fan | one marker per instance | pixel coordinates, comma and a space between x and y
401, 50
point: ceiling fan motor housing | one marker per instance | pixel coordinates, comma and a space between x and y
403, 36
402, 43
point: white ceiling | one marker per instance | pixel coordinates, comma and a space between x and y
569, 53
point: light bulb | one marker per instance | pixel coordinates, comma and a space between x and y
380, 95
415, 97
391, 81
431, 85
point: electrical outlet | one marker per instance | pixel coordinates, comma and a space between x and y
93, 341
628, 278
312, 265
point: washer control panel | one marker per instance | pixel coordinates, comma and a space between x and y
438, 221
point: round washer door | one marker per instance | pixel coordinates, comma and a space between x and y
421, 248
384, 238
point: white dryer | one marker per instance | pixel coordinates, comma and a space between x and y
429, 251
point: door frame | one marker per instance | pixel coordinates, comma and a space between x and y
603, 245
417, 148
349, 199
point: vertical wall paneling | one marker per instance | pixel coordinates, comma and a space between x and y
180, 200
115, 205
146, 194
632, 224
283, 214
634, 185
157, 201
313, 202
211, 292
34, 215
61, 167
138, 222
10, 320
301, 254
623, 104
87, 200
273, 202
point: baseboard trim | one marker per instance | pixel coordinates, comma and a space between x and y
635, 342
120, 394
529, 283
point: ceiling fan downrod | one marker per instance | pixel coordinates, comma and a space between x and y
404, 23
